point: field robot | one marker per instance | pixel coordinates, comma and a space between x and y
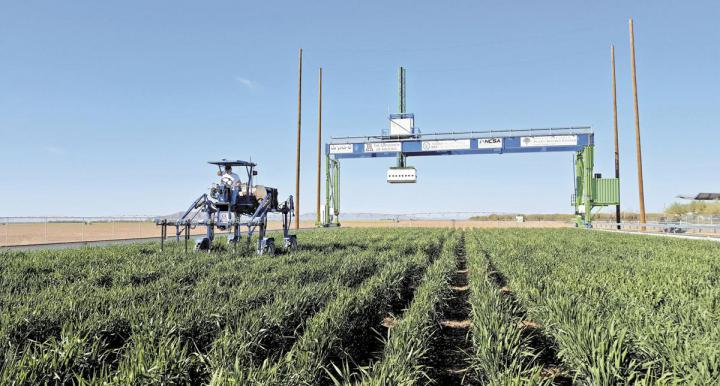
230, 205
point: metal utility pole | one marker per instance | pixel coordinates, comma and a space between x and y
615, 125
297, 159
641, 191
319, 149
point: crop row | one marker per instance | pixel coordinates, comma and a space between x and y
622, 309
128, 314
409, 338
503, 353
331, 338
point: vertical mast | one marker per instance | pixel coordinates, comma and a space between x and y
641, 190
297, 158
615, 126
319, 149
401, 100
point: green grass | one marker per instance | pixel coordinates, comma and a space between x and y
622, 308
612, 309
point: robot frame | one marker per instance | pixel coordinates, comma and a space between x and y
225, 207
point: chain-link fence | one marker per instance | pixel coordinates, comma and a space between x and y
699, 219
691, 226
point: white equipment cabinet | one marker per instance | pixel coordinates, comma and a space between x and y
402, 175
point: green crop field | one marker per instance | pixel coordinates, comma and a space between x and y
369, 306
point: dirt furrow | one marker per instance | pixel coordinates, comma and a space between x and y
451, 343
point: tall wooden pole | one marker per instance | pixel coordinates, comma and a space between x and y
297, 159
641, 190
319, 149
615, 125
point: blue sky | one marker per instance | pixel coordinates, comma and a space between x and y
114, 107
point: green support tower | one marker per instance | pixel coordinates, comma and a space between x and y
591, 191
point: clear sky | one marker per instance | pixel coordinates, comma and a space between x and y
113, 107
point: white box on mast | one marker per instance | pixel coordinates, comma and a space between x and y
402, 125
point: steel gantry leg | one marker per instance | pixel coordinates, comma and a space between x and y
588, 163
336, 192
583, 186
326, 217
332, 192
577, 197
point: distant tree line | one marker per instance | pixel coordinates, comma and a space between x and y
694, 207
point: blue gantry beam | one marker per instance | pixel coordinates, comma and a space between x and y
458, 143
